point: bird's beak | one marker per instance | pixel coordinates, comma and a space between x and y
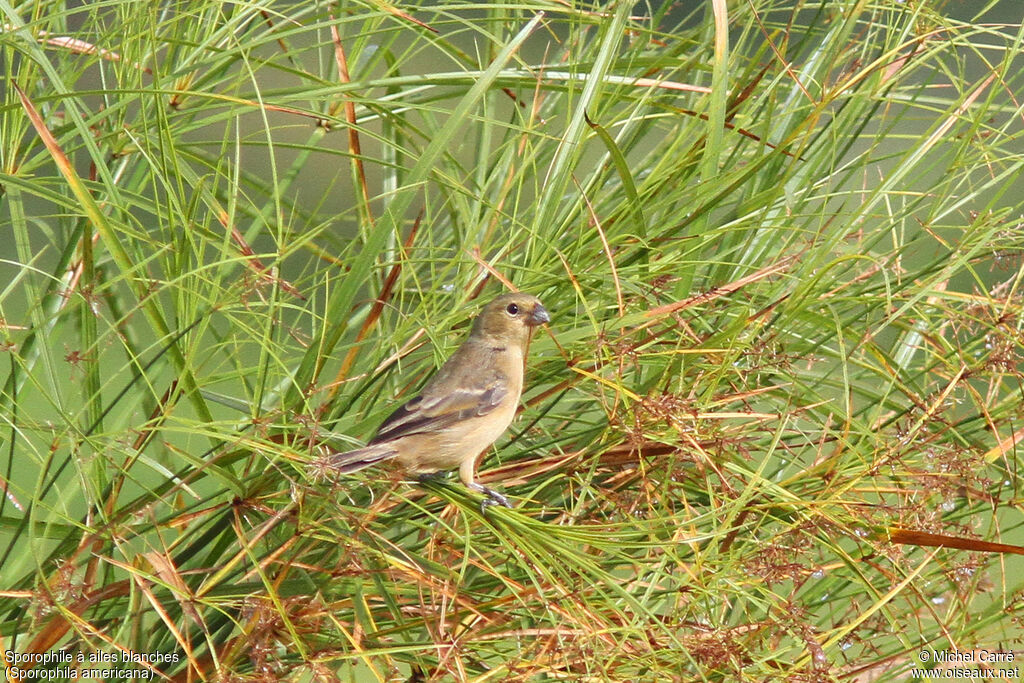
539, 316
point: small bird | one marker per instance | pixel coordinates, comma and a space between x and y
465, 406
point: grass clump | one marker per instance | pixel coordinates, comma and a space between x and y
772, 432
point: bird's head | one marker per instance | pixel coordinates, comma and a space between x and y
511, 317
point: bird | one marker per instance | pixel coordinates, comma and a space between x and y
467, 404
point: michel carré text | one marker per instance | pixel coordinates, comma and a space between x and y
972, 656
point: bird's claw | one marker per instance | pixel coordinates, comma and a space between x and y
492, 498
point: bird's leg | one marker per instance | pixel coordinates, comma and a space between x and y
492, 497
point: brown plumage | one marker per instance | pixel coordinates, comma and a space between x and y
466, 405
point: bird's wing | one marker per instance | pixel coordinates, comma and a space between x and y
440, 406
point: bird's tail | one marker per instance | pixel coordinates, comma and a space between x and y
351, 461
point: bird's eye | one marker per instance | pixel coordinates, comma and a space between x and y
512, 309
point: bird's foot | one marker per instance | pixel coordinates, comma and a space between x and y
433, 476
491, 497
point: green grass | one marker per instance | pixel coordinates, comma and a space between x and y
781, 245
